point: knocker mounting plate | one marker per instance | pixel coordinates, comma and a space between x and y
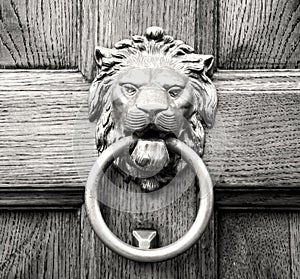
151, 98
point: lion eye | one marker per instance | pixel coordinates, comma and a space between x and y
129, 89
174, 91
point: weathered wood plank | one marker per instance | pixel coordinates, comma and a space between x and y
41, 198
112, 22
206, 28
106, 22
171, 222
255, 198
40, 244
39, 139
47, 141
39, 34
258, 34
295, 245
257, 80
226, 198
37, 80
262, 138
254, 245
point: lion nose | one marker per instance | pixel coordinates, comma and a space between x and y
152, 100
152, 108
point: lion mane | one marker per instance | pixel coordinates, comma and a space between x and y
154, 50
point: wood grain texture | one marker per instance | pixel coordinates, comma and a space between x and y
260, 113
38, 128
39, 244
295, 244
259, 34
47, 140
114, 21
41, 198
262, 138
258, 198
171, 222
254, 245
39, 34
257, 80
106, 22
37, 80
206, 28
226, 198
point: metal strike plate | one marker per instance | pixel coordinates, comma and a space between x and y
145, 239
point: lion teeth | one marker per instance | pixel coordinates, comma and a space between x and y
149, 184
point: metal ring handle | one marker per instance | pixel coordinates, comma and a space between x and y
158, 254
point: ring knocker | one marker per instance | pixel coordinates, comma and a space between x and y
151, 97
151, 255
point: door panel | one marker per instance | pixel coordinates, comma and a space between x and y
294, 219
38, 137
39, 34
253, 158
258, 34
125, 213
39, 244
260, 113
106, 22
97, 261
258, 245
47, 145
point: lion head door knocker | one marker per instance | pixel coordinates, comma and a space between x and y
151, 98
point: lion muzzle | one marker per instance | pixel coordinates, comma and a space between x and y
150, 153
151, 121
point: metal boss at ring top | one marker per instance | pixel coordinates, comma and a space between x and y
150, 99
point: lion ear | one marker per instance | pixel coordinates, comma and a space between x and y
199, 63
208, 61
100, 53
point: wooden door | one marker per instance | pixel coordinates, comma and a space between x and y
47, 145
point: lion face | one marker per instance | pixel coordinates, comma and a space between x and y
151, 104
151, 98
